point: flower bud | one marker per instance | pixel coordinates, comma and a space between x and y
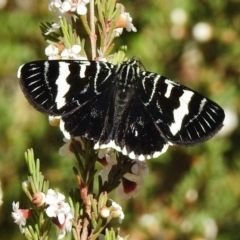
105, 212
38, 199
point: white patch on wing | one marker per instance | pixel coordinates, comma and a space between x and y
202, 104
62, 128
62, 84
35, 89
19, 71
31, 83
141, 157
98, 68
111, 144
169, 89
181, 112
82, 71
153, 90
132, 154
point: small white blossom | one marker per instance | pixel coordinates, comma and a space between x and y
125, 21
53, 197
117, 211
104, 212
191, 195
186, 226
140, 168
20, 215
52, 52
210, 229
230, 123
69, 6
3, 3
81, 7
178, 16
38, 199
57, 207
66, 227
66, 149
132, 182
54, 120
202, 32
72, 53
107, 157
118, 31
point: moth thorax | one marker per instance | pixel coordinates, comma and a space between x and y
127, 74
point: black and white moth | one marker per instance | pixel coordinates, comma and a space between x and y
136, 112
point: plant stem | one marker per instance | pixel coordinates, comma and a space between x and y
93, 37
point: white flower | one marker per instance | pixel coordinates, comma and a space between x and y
38, 199
67, 225
55, 4
72, 6
81, 7
60, 210
109, 154
202, 32
117, 211
132, 182
191, 195
72, 53
186, 226
210, 229
52, 52
125, 21
66, 149
20, 215
104, 212
54, 120
140, 168
230, 123
178, 16
3, 3
118, 31
57, 207
107, 157
53, 197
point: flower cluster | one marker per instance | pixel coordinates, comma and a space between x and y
55, 208
54, 52
20, 216
69, 6
67, 44
59, 211
131, 182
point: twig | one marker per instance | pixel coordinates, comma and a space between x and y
92, 36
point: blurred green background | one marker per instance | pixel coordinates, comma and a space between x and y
190, 193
